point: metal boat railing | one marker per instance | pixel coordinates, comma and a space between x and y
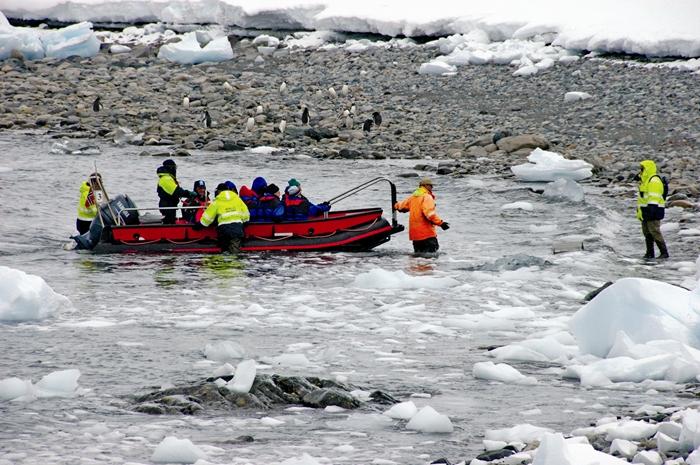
365, 185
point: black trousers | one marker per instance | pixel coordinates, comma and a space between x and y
429, 245
230, 237
82, 226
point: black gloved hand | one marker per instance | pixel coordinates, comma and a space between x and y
325, 205
192, 195
198, 226
445, 225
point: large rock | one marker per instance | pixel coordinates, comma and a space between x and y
320, 133
266, 392
524, 141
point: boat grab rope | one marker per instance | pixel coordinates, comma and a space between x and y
362, 229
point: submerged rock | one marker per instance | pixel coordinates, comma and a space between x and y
511, 262
267, 391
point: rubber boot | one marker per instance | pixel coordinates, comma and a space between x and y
663, 251
650, 247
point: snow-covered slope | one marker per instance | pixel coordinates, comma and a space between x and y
650, 27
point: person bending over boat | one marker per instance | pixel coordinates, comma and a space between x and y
229, 212
270, 207
87, 207
297, 207
169, 190
422, 218
193, 215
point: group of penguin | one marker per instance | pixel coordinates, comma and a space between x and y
348, 115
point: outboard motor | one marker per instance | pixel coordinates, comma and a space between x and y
117, 205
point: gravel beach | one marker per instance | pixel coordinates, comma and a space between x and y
634, 113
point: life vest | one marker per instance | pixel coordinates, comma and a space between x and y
226, 208
296, 207
167, 187
87, 210
650, 202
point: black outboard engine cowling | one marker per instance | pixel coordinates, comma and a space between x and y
117, 205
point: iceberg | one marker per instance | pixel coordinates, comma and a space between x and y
549, 166
25, 297
189, 52
74, 40
564, 189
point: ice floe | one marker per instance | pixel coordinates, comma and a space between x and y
174, 450
564, 189
26, 297
62, 383
500, 372
244, 377
428, 420
549, 166
384, 279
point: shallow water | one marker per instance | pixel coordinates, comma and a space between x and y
142, 321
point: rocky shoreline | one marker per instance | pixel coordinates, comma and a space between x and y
635, 113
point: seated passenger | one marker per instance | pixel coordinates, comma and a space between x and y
297, 207
270, 207
249, 197
259, 185
193, 215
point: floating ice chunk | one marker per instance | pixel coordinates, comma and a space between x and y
631, 430
554, 450
224, 370
243, 379
124, 135
564, 188
666, 443
63, 383
269, 421
14, 388
548, 166
224, 351
428, 420
382, 279
576, 96
402, 411
623, 447
500, 372
174, 450
188, 51
644, 309
527, 206
25, 297
69, 147
690, 432
437, 68
264, 150
520, 433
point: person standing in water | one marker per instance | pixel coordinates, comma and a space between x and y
422, 218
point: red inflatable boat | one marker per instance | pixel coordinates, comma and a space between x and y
119, 228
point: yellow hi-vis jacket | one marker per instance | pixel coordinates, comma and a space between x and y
650, 202
86, 212
226, 208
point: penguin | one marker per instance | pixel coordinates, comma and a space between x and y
206, 119
367, 125
283, 87
250, 124
282, 126
353, 109
97, 105
377, 117
345, 90
305, 116
346, 113
332, 93
349, 122
228, 87
259, 110
319, 93
186, 101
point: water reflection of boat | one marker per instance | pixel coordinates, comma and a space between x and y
121, 228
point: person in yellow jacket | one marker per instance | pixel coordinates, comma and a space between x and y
87, 207
230, 212
169, 191
422, 218
651, 208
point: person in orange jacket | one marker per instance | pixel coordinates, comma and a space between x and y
422, 218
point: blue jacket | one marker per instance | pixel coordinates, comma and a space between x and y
269, 208
298, 208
